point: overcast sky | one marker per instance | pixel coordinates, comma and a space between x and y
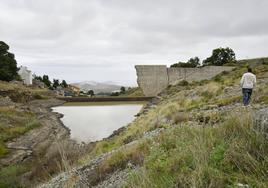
102, 40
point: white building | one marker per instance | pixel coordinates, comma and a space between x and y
26, 75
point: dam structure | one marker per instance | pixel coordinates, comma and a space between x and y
153, 79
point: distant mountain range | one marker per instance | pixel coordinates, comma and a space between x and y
98, 87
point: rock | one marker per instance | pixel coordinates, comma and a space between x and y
116, 132
6, 101
117, 179
261, 121
240, 185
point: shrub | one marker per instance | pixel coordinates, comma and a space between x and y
183, 83
9, 176
218, 78
3, 150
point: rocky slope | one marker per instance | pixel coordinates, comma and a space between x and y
193, 135
35, 140
52, 130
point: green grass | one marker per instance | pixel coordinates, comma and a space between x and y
133, 92
206, 157
263, 99
176, 105
221, 150
14, 123
3, 150
9, 176
228, 100
22, 93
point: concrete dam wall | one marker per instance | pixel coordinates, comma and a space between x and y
153, 79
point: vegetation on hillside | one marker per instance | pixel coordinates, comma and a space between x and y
198, 135
220, 56
14, 123
131, 92
51, 85
20, 93
221, 156
206, 138
191, 63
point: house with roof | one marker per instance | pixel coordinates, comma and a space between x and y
26, 75
74, 88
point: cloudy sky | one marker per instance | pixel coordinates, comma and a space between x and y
102, 40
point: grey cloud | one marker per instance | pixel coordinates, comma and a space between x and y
102, 39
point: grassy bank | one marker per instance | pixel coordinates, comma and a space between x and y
21, 93
133, 92
14, 123
208, 139
225, 156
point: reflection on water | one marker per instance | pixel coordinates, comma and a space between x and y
95, 122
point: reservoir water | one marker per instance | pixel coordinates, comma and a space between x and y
94, 121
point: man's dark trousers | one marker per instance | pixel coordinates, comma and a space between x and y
246, 95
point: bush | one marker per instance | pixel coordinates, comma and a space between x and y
9, 176
218, 78
3, 150
183, 83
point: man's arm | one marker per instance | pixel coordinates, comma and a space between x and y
255, 80
242, 81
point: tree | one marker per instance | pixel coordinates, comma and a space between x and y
8, 64
179, 64
91, 93
122, 89
195, 62
64, 84
220, 56
115, 94
38, 78
46, 81
56, 83
191, 63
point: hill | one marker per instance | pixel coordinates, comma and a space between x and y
192, 135
98, 87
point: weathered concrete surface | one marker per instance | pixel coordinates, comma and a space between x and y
152, 79
195, 74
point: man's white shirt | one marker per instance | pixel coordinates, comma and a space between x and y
248, 80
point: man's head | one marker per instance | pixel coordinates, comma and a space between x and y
249, 69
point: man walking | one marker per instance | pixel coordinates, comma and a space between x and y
247, 82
